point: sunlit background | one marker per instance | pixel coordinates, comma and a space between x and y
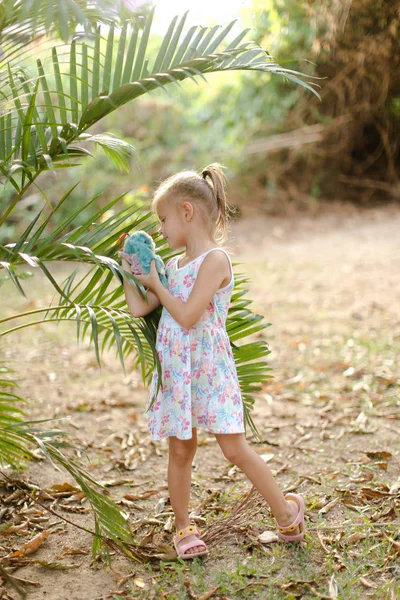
206, 12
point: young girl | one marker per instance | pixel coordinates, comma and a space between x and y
199, 385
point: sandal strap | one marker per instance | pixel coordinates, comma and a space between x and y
299, 518
289, 529
183, 548
186, 531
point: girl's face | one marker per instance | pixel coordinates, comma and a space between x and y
172, 224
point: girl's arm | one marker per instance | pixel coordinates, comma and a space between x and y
213, 271
138, 307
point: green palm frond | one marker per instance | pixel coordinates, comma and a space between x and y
95, 241
251, 366
18, 438
12, 451
24, 20
117, 150
109, 521
109, 327
44, 113
95, 301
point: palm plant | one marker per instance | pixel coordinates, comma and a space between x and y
46, 110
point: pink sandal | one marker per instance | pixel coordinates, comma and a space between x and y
298, 522
181, 549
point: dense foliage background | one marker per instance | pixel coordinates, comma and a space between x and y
281, 146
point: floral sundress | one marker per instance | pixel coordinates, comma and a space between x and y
200, 386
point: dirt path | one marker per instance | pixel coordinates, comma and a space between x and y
330, 287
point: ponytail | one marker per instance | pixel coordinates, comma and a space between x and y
207, 190
215, 177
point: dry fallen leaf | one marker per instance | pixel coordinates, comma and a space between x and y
113, 482
64, 487
395, 545
304, 438
168, 553
363, 478
31, 546
381, 454
333, 588
320, 503
55, 566
267, 457
295, 587
160, 506
368, 584
386, 380
204, 596
370, 493
232, 471
129, 504
268, 537
322, 540
6, 529
395, 487
382, 465
208, 594
325, 509
169, 524
69, 551
145, 494
384, 514
355, 537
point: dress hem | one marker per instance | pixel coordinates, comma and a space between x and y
158, 438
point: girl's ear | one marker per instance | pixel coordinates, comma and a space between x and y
188, 211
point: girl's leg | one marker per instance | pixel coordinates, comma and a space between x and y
238, 452
181, 454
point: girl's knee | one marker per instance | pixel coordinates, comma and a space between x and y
233, 455
234, 449
182, 451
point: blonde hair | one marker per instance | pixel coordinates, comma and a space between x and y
206, 189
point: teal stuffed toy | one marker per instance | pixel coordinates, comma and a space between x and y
139, 250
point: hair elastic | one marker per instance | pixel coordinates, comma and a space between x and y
204, 174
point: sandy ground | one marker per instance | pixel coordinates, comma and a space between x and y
330, 287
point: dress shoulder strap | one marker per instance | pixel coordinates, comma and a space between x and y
217, 248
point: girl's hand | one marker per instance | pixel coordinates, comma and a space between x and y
151, 280
126, 266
